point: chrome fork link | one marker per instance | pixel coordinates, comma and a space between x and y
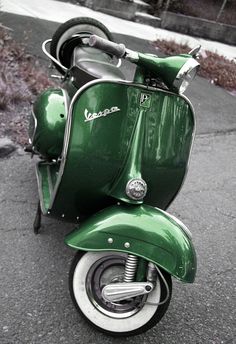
151, 273
130, 268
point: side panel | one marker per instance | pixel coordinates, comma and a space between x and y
50, 118
151, 233
103, 123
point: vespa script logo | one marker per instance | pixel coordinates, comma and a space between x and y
91, 116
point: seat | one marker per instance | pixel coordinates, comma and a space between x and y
90, 63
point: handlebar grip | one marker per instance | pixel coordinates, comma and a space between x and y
110, 47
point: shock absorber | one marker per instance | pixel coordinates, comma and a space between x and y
130, 268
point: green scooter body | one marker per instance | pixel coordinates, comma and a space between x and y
115, 131
112, 137
144, 231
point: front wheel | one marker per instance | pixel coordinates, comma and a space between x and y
90, 272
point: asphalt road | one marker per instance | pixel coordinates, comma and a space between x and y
35, 305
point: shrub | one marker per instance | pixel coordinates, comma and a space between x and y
21, 79
207, 9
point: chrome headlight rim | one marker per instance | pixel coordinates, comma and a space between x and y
182, 77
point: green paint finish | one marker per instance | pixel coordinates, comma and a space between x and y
46, 176
139, 76
43, 185
153, 235
50, 112
133, 162
54, 168
107, 148
165, 68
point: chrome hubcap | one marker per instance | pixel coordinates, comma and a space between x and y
110, 269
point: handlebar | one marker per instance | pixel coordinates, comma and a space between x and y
113, 48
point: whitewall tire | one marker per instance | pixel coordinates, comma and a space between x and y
90, 272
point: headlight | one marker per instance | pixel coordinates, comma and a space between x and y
185, 75
175, 71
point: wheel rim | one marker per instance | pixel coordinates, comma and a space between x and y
107, 270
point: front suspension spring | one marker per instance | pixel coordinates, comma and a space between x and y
130, 268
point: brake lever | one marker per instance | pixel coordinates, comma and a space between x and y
195, 52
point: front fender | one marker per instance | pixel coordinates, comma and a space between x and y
141, 230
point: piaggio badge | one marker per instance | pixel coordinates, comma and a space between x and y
145, 100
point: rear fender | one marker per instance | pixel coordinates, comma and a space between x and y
142, 230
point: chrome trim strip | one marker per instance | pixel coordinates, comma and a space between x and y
66, 98
67, 107
35, 125
39, 182
179, 222
50, 56
69, 120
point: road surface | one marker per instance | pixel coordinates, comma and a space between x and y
35, 306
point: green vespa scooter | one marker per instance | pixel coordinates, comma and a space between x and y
114, 155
